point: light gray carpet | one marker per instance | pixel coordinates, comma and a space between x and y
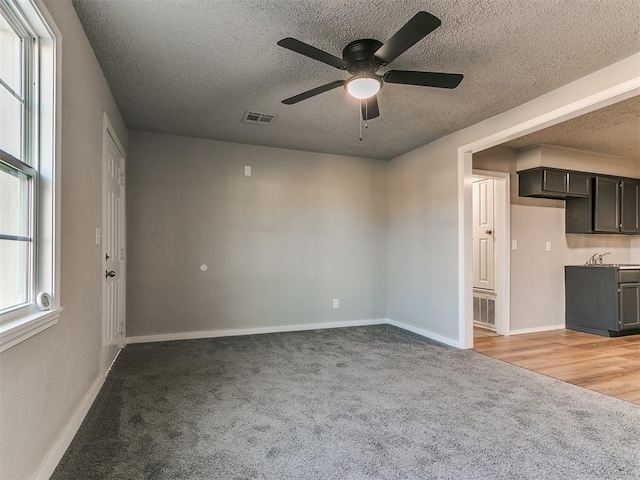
369, 402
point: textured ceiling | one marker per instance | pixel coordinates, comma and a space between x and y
194, 67
614, 130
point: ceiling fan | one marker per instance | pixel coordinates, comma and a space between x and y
363, 58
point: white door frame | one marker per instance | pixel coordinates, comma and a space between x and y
601, 99
502, 254
108, 134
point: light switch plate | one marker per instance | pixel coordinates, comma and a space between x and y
548, 246
514, 244
247, 170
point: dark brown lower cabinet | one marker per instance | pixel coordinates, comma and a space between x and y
602, 300
629, 306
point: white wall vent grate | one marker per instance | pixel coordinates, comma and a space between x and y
484, 310
256, 118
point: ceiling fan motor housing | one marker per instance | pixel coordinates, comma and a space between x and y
359, 55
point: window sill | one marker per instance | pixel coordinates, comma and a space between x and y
17, 331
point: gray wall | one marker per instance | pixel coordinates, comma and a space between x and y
635, 250
280, 245
537, 276
44, 379
423, 250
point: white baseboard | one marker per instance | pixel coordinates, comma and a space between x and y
425, 333
252, 331
546, 328
64, 440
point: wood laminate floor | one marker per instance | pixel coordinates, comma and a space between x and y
606, 365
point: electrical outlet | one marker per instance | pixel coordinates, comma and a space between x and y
336, 303
514, 244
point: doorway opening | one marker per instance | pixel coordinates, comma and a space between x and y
490, 236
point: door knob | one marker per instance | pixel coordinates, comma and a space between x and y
110, 273
488, 232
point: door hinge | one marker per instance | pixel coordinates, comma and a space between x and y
122, 254
122, 179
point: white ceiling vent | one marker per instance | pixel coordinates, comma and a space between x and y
256, 118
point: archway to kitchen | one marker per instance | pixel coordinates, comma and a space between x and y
466, 164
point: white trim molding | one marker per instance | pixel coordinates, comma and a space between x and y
546, 328
64, 440
425, 333
12, 333
166, 337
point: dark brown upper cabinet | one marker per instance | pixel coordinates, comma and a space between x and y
606, 205
630, 206
614, 207
553, 183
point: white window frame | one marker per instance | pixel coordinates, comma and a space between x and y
41, 154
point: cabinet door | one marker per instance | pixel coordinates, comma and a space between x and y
554, 181
630, 206
629, 306
606, 205
579, 184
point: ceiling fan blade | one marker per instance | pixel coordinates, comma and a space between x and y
369, 107
313, 92
423, 79
312, 52
421, 25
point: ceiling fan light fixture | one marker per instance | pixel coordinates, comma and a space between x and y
363, 87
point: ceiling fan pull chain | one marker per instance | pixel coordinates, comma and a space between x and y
360, 119
366, 111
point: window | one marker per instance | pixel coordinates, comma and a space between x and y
16, 252
28, 220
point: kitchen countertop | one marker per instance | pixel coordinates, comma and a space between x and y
619, 266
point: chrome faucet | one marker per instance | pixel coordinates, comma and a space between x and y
602, 255
592, 259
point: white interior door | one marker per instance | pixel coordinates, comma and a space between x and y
483, 233
113, 251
